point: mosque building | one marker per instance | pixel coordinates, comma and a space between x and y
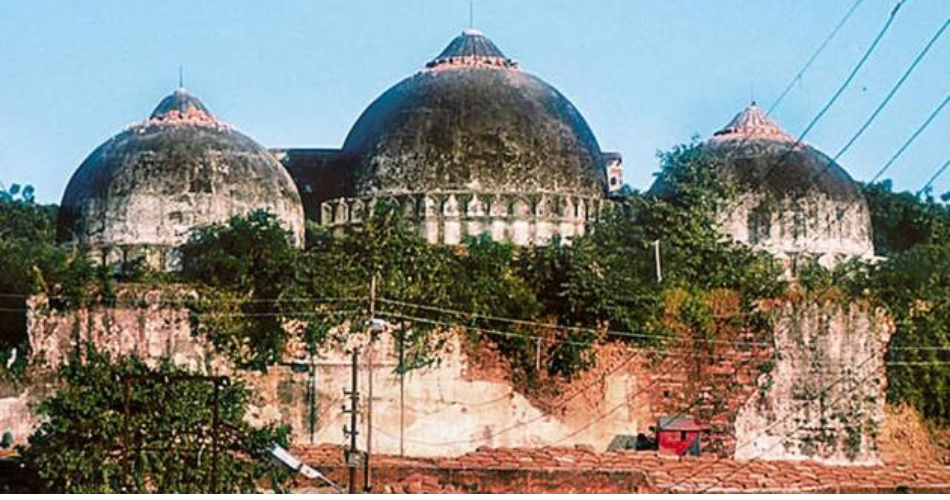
141, 193
793, 201
470, 144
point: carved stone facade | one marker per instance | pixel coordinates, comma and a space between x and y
797, 229
448, 217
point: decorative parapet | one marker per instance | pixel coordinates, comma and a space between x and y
447, 217
801, 229
160, 257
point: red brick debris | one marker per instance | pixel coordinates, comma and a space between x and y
582, 470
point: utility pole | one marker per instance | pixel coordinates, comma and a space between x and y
656, 254
126, 437
214, 440
369, 401
352, 453
402, 392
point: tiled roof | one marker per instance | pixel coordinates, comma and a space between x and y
705, 473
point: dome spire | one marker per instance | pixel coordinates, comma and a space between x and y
752, 122
181, 105
472, 48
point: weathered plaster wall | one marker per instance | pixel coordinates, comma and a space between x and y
749, 391
794, 226
16, 416
824, 396
444, 410
150, 324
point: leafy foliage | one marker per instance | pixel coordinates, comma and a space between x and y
244, 267
915, 284
570, 293
901, 221
121, 426
31, 262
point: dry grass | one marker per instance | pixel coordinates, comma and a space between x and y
904, 437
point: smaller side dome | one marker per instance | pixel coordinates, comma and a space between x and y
793, 200
142, 192
763, 156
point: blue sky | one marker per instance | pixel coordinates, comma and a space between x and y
646, 74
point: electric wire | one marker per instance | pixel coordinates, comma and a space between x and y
798, 76
891, 93
910, 140
837, 94
934, 177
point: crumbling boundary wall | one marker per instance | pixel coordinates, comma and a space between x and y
757, 396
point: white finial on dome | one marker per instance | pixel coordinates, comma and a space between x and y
472, 32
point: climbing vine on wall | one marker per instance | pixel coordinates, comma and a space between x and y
571, 295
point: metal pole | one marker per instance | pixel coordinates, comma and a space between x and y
214, 440
656, 253
128, 410
354, 404
312, 393
369, 421
402, 393
369, 399
537, 356
313, 399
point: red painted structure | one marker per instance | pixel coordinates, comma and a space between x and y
678, 435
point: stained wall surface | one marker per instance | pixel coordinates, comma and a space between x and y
758, 397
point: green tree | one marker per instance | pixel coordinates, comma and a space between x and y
245, 268
915, 285
901, 221
121, 426
31, 262
571, 294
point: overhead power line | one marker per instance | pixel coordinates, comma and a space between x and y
798, 76
910, 140
854, 71
842, 213
834, 98
892, 92
934, 177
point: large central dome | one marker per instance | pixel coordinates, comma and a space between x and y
472, 121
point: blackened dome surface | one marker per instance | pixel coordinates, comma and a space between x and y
157, 180
473, 121
760, 155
